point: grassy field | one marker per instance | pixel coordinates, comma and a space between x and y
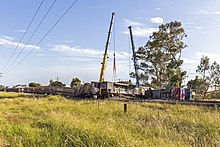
55, 121
12, 95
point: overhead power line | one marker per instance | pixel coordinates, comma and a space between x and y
32, 35
23, 35
43, 37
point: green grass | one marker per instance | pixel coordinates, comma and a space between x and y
12, 95
55, 121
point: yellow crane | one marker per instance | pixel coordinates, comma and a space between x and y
101, 79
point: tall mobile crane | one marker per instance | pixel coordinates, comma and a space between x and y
101, 79
134, 57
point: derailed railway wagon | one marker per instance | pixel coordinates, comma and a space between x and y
87, 90
177, 93
109, 89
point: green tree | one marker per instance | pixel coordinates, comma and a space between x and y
2, 86
198, 85
215, 74
203, 67
33, 84
160, 59
143, 78
56, 83
75, 83
51, 81
210, 73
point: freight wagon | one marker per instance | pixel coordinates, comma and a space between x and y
170, 94
109, 89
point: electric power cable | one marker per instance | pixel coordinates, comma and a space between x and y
32, 35
23, 35
43, 37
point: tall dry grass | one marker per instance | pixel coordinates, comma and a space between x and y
55, 121
12, 95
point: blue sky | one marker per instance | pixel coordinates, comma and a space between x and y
76, 45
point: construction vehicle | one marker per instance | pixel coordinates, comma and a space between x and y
134, 57
101, 79
102, 73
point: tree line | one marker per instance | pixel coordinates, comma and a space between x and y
75, 83
160, 61
160, 58
210, 78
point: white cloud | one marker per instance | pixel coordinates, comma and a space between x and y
7, 37
157, 20
132, 23
187, 23
199, 27
44, 55
190, 64
194, 28
69, 41
212, 56
67, 50
88, 60
8, 41
204, 12
142, 31
189, 30
21, 31
158, 9
77, 51
193, 61
140, 18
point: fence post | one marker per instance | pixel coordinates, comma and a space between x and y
98, 103
125, 107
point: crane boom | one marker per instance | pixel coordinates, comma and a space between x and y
134, 57
101, 79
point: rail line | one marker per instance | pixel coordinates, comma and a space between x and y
160, 101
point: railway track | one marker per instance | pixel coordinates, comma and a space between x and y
194, 103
